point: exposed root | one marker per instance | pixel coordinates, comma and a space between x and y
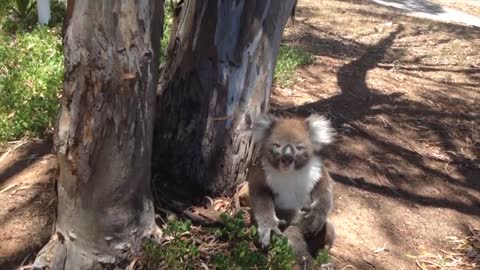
52, 255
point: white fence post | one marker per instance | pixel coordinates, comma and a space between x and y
43, 7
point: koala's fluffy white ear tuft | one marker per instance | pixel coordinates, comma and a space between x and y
321, 131
261, 127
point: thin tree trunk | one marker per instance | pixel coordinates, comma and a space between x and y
104, 134
217, 79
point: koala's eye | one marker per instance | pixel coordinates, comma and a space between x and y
300, 148
276, 145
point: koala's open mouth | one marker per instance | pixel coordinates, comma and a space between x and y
286, 163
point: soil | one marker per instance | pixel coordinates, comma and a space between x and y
404, 96
27, 201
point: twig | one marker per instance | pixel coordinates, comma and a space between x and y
198, 218
472, 230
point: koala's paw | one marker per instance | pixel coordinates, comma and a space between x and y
265, 231
313, 221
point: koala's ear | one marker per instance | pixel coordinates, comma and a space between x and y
262, 127
321, 131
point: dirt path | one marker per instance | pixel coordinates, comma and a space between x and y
433, 11
404, 95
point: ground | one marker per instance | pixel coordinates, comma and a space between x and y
27, 200
403, 94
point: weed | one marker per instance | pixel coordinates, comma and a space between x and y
177, 252
322, 258
234, 228
181, 250
288, 60
281, 254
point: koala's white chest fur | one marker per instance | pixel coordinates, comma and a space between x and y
293, 188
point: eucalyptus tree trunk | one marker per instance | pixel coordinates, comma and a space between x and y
217, 79
104, 135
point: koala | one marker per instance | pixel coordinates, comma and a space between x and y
290, 191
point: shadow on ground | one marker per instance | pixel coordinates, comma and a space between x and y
357, 101
403, 95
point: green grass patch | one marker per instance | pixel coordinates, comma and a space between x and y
288, 60
234, 248
31, 71
177, 253
31, 75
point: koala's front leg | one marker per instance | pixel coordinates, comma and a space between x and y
263, 207
264, 214
312, 218
314, 215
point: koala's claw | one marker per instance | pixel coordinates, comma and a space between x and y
265, 232
306, 211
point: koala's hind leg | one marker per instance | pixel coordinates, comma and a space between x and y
322, 240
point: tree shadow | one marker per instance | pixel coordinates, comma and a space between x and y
358, 101
408, 197
321, 42
355, 98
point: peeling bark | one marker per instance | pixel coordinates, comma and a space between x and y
104, 134
218, 76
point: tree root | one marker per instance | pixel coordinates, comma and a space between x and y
52, 255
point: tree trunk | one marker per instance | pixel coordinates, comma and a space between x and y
104, 134
217, 79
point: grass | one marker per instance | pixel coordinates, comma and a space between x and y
31, 75
288, 60
230, 246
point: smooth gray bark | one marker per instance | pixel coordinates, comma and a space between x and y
104, 134
217, 79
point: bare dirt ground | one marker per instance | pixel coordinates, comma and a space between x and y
27, 201
404, 95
